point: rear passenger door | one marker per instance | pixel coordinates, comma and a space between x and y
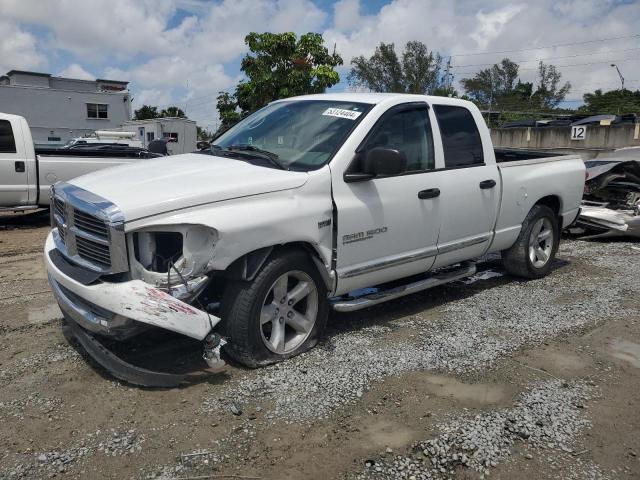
471, 191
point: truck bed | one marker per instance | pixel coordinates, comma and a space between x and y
101, 151
529, 177
513, 154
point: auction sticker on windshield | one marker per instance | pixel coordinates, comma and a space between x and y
341, 113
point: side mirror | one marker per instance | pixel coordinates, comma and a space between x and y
377, 162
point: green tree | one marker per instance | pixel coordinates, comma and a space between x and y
611, 102
146, 112
549, 92
228, 111
203, 133
172, 112
280, 65
492, 85
500, 88
419, 71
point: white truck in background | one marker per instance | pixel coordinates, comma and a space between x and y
26, 174
333, 201
105, 137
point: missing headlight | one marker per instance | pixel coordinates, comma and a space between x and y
172, 255
157, 250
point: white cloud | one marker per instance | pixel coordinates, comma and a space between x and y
490, 25
185, 61
76, 71
346, 15
463, 27
98, 28
151, 96
18, 48
200, 56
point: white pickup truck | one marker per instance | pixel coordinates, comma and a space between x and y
300, 208
26, 174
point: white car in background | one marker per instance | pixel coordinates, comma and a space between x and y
26, 173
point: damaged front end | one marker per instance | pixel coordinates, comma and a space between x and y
611, 201
116, 285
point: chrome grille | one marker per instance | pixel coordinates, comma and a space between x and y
89, 229
93, 251
58, 207
61, 232
89, 223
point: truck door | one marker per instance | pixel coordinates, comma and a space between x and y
386, 228
14, 185
471, 188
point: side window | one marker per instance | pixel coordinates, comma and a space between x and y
460, 137
97, 110
7, 141
408, 131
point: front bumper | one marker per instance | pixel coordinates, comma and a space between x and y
113, 309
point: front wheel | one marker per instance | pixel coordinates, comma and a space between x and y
278, 315
531, 256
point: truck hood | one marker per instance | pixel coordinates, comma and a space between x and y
151, 187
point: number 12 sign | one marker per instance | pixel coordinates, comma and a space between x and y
579, 132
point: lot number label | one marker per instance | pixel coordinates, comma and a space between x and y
579, 132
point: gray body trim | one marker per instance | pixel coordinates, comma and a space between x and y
412, 257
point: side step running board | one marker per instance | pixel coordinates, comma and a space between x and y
350, 304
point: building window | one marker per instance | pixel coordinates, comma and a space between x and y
170, 136
54, 139
150, 136
97, 110
7, 142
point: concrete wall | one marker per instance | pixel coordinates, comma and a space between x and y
62, 112
598, 139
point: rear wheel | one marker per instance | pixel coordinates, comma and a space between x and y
278, 315
531, 256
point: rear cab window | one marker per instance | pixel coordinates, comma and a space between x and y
7, 140
460, 137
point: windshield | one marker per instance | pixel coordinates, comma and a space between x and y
303, 134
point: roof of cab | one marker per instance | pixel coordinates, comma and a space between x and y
375, 98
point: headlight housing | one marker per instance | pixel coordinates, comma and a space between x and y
171, 255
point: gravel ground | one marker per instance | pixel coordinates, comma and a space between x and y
472, 334
548, 416
384, 386
57, 461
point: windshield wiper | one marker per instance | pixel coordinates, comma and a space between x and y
255, 151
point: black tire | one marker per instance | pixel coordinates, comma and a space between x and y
517, 260
242, 303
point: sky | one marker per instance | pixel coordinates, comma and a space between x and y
183, 52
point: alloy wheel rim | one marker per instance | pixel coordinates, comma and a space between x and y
541, 242
289, 312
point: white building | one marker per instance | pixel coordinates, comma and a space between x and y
59, 109
181, 132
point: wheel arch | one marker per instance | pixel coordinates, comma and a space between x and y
248, 265
554, 202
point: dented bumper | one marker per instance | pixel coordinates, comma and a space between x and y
115, 309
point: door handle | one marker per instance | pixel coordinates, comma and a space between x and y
20, 166
487, 184
429, 193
